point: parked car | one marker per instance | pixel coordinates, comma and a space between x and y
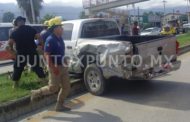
4, 36
186, 27
151, 31
100, 39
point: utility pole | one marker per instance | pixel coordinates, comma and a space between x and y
32, 9
134, 14
138, 15
188, 10
164, 2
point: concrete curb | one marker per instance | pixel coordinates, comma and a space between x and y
5, 63
17, 108
184, 49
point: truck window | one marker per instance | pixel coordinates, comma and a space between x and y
67, 33
4, 33
99, 29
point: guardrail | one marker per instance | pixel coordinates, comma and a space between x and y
5, 63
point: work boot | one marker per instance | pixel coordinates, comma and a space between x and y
35, 95
15, 84
61, 108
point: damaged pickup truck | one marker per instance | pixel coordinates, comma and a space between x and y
98, 52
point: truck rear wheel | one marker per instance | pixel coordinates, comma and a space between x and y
94, 80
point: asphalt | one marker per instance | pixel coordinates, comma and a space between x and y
164, 99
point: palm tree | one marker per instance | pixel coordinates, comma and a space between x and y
26, 6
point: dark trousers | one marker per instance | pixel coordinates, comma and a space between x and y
22, 59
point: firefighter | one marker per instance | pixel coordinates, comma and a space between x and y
23, 37
58, 73
166, 30
46, 31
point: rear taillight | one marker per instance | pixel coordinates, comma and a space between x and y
177, 47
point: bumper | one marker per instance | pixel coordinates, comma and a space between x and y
166, 69
176, 65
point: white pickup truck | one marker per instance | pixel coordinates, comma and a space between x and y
98, 52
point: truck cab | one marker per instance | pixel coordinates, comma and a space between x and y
87, 28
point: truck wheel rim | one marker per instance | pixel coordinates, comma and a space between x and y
94, 81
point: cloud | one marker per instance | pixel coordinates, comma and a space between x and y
7, 1
65, 2
159, 3
144, 5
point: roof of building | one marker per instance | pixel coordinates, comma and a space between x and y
174, 14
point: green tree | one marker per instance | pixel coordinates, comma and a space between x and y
83, 15
151, 13
8, 17
159, 13
46, 18
26, 6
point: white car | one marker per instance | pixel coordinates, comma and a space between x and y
186, 25
151, 31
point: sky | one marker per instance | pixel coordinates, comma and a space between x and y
144, 5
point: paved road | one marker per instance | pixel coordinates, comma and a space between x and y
165, 99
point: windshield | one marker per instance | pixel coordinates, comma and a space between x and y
99, 29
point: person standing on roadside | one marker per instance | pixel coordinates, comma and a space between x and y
23, 37
10, 32
135, 30
58, 73
46, 32
13, 28
123, 29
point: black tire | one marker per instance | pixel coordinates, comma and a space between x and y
94, 80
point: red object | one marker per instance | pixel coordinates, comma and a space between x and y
4, 55
177, 47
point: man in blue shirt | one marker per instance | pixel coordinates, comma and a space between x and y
59, 77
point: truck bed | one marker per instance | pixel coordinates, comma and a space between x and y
135, 39
147, 46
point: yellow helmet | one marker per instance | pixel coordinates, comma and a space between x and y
55, 21
46, 23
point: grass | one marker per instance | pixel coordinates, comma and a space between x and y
184, 39
27, 83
